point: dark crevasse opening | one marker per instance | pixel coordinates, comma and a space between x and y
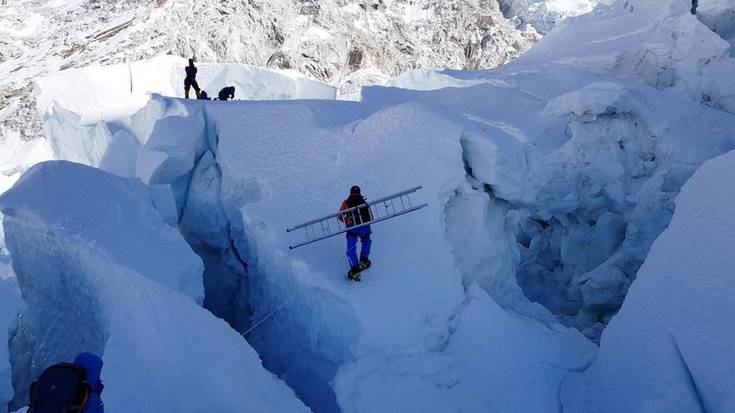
291, 344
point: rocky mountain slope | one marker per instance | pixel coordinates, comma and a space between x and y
344, 43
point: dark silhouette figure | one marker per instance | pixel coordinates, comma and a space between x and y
69, 387
227, 93
191, 79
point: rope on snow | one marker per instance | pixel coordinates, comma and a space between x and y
269, 314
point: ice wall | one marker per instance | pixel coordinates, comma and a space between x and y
10, 305
670, 347
92, 102
93, 245
582, 170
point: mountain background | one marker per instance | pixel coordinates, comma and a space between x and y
346, 44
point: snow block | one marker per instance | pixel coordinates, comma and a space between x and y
172, 148
204, 216
95, 204
69, 139
670, 346
91, 244
121, 155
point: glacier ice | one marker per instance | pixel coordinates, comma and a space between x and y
548, 181
670, 346
93, 245
659, 42
10, 304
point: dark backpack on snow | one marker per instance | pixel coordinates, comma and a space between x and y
61, 388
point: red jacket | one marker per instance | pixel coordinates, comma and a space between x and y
346, 218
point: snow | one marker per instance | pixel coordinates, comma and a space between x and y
670, 346
92, 244
548, 182
659, 42
719, 15
17, 155
331, 323
79, 106
90, 211
544, 15
113, 92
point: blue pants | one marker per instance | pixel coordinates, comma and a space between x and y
364, 234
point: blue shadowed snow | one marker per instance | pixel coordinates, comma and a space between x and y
100, 271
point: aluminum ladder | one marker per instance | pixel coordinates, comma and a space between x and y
380, 210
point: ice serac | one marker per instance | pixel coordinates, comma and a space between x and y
76, 198
670, 346
92, 244
586, 167
659, 42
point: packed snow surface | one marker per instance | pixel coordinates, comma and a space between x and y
92, 244
670, 348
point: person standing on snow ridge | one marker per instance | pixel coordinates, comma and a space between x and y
191, 79
354, 218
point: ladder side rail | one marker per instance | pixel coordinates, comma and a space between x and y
301, 244
335, 215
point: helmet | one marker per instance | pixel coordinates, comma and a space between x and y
355, 190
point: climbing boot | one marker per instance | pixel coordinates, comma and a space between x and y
364, 263
354, 274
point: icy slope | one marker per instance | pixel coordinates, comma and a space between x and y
335, 327
584, 168
108, 260
659, 42
671, 346
242, 190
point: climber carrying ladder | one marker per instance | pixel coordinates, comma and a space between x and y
354, 219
